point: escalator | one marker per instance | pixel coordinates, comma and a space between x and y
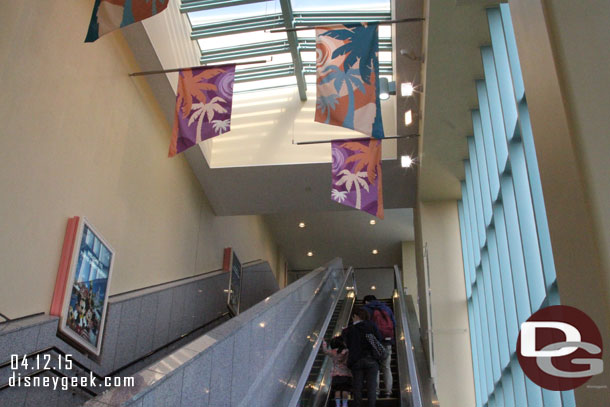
411, 384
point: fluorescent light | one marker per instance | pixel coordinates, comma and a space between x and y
372, 221
408, 117
406, 161
407, 89
302, 224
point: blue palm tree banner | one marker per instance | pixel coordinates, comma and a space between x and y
356, 169
108, 15
347, 68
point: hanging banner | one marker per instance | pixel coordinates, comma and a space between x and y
203, 105
347, 84
356, 168
108, 15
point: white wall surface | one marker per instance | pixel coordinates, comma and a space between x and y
80, 137
449, 310
564, 58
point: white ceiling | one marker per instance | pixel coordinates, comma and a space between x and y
287, 194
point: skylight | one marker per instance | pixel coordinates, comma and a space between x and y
240, 31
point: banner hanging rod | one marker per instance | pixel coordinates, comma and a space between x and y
355, 139
194, 67
382, 22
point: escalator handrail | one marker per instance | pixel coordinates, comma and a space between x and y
408, 343
316, 346
326, 367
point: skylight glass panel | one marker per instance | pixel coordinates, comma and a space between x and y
265, 84
340, 5
239, 39
236, 12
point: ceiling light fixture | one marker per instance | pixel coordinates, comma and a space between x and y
309, 254
406, 161
375, 251
407, 89
372, 221
386, 88
302, 224
408, 117
373, 288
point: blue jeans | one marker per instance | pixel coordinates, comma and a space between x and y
365, 369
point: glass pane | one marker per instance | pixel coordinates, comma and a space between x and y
231, 13
340, 5
239, 39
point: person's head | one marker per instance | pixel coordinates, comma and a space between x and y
369, 298
337, 343
360, 314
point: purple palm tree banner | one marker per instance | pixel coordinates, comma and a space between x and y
347, 83
356, 168
203, 105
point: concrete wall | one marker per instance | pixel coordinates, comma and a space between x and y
80, 137
449, 312
564, 58
138, 323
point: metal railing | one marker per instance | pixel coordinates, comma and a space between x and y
410, 391
321, 387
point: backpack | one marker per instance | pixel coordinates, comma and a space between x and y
384, 323
378, 351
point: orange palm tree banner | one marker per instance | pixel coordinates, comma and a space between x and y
356, 169
203, 105
347, 84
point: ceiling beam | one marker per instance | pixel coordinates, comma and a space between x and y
189, 6
294, 48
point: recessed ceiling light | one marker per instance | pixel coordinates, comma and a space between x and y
309, 254
406, 89
372, 221
302, 224
406, 161
408, 117
375, 251
373, 288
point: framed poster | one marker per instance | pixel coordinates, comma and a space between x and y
233, 266
85, 296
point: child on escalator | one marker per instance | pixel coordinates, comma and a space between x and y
341, 375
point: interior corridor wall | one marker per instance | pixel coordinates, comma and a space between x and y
448, 309
564, 58
80, 137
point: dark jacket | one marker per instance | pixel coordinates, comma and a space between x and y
376, 305
355, 340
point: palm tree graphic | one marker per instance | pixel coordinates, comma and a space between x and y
338, 196
357, 179
201, 110
361, 46
326, 104
351, 79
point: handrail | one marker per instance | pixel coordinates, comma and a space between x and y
325, 369
316, 347
263, 375
399, 298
